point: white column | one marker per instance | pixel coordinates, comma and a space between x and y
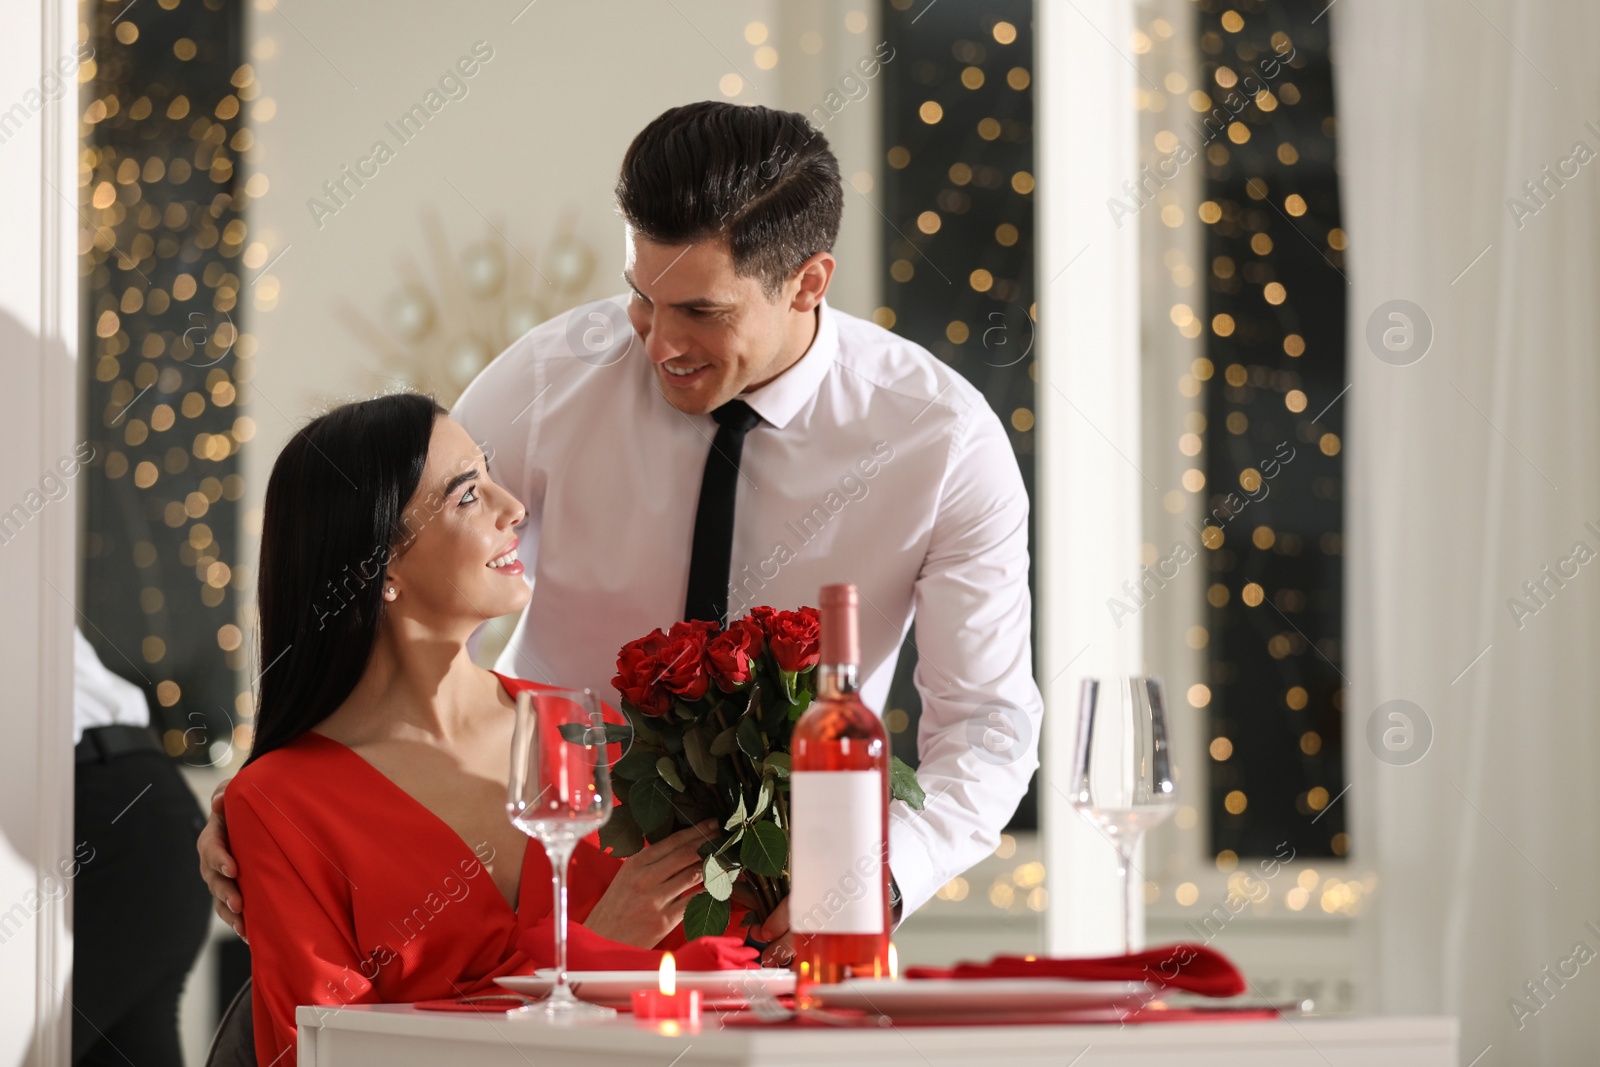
38, 340
1088, 400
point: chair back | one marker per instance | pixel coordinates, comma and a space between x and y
234, 1043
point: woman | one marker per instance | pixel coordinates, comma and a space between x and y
369, 822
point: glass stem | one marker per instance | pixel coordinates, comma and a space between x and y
1125, 849
560, 853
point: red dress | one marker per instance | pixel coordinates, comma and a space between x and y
357, 894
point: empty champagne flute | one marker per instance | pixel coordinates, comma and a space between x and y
1122, 771
559, 793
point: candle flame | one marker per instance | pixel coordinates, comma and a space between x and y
894, 961
669, 975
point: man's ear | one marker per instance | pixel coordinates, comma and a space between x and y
813, 278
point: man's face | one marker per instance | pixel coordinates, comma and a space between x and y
710, 333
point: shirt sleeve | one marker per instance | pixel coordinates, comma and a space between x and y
300, 951
981, 708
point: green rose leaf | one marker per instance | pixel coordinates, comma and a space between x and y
787, 678
778, 763
639, 762
669, 772
726, 743
737, 818
705, 916
701, 760
720, 873
733, 839
641, 724
621, 834
764, 798
903, 784
577, 733
765, 850
651, 803
750, 739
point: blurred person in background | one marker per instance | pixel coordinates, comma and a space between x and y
140, 916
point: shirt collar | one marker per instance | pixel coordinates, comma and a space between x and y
782, 398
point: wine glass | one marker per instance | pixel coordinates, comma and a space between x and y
559, 792
1122, 773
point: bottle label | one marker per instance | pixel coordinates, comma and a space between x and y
837, 852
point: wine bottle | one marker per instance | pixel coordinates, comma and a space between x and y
839, 816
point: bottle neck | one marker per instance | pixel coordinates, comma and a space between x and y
836, 680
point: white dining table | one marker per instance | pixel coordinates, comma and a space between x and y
398, 1035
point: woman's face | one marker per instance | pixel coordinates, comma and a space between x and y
458, 559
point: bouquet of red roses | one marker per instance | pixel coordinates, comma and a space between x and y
711, 712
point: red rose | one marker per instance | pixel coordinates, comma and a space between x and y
639, 674
794, 639
763, 617
732, 654
679, 629
683, 660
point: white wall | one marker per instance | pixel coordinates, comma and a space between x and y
38, 342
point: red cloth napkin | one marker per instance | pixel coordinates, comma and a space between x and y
1190, 967
588, 951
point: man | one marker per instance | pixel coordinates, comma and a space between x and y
140, 918
730, 440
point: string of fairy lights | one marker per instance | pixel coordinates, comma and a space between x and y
1273, 336
168, 263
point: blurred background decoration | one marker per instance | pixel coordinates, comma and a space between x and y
166, 254
956, 168
443, 325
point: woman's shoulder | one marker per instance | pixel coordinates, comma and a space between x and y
311, 757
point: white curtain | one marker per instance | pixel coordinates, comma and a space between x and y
1471, 471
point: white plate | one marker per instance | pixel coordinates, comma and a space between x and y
928, 996
616, 987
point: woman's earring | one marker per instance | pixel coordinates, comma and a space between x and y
389, 593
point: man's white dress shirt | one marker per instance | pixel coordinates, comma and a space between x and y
101, 698
875, 463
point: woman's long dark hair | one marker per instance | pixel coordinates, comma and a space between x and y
334, 514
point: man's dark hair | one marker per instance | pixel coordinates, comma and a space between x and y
764, 179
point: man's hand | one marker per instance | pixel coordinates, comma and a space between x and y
647, 897
779, 938
217, 866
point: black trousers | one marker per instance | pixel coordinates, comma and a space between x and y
140, 911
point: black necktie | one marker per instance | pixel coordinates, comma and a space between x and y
712, 555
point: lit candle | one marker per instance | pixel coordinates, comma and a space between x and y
665, 1002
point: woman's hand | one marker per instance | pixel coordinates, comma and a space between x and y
647, 897
779, 937
218, 868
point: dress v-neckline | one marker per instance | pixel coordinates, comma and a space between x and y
522, 868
